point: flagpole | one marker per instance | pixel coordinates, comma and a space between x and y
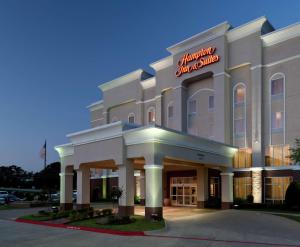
45, 159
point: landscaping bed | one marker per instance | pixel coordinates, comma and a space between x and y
89, 218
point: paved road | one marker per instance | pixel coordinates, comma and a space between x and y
217, 229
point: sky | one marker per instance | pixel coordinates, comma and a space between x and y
54, 54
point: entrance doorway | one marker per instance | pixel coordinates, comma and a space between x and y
183, 191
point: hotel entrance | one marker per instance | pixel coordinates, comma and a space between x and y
183, 191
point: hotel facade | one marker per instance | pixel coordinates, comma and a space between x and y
214, 122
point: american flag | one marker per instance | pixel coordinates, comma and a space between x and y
43, 153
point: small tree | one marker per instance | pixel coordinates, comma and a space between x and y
295, 151
292, 195
115, 194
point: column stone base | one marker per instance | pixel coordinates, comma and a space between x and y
82, 206
200, 204
125, 211
150, 211
66, 206
226, 205
142, 202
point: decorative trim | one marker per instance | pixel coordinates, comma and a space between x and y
65, 174
246, 29
98, 119
281, 35
135, 75
162, 63
148, 83
95, 106
65, 150
153, 166
222, 73
227, 174
238, 66
200, 38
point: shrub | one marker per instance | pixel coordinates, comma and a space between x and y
239, 201
137, 200
91, 212
292, 195
250, 198
107, 211
44, 213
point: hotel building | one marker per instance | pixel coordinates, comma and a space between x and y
214, 122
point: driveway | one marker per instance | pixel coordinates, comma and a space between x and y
214, 228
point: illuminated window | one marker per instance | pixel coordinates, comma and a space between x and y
242, 187
275, 188
211, 102
151, 115
243, 158
277, 86
277, 120
278, 155
239, 95
131, 118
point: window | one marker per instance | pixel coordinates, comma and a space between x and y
277, 120
170, 111
277, 86
275, 188
243, 158
192, 107
242, 187
211, 103
239, 95
239, 127
151, 115
278, 155
131, 119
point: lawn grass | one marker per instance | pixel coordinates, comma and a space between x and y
140, 224
5, 207
291, 217
36, 217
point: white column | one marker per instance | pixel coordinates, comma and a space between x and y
126, 183
202, 186
66, 189
154, 196
83, 187
227, 189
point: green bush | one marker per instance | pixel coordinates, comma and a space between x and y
107, 211
137, 200
239, 201
250, 198
292, 195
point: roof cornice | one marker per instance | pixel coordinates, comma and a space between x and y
96, 105
148, 83
162, 63
200, 38
281, 35
246, 29
135, 75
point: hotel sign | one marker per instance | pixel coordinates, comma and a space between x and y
190, 62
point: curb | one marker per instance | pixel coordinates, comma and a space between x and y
82, 228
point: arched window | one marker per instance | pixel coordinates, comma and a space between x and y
239, 115
151, 115
277, 108
131, 118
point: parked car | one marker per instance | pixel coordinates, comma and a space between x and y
3, 193
13, 198
2, 200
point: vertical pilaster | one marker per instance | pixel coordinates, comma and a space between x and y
158, 110
257, 121
126, 183
154, 197
227, 189
222, 110
257, 185
83, 187
202, 186
66, 188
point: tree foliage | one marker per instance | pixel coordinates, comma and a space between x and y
295, 151
292, 195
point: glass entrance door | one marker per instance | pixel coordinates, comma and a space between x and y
183, 191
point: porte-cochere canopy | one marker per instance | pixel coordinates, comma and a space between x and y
124, 148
